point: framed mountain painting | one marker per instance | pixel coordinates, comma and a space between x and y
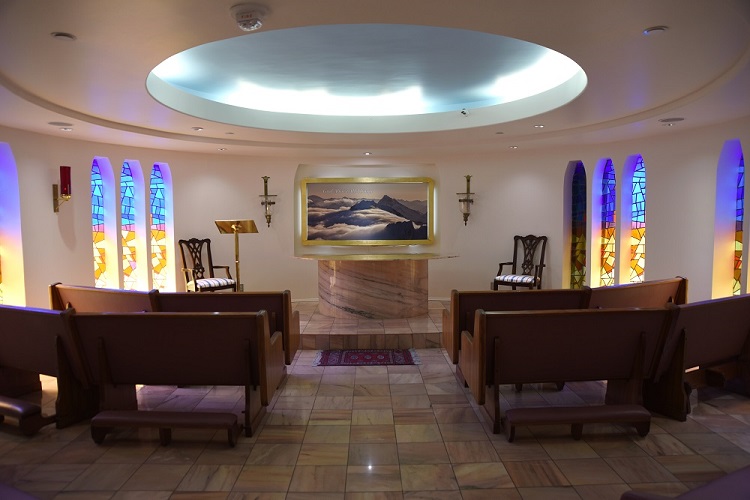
368, 211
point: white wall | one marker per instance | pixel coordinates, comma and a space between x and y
517, 192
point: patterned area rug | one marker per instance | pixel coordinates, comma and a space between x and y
366, 357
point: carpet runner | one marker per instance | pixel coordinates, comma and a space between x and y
366, 357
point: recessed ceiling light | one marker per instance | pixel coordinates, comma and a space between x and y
66, 129
197, 129
367, 153
539, 125
512, 147
222, 149
655, 30
61, 35
671, 120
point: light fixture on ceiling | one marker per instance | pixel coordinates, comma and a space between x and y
61, 35
249, 16
465, 200
655, 30
61, 192
267, 200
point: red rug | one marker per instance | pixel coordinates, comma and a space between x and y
366, 357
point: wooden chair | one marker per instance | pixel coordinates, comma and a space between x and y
199, 277
527, 264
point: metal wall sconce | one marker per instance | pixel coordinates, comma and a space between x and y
465, 201
61, 192
267, 200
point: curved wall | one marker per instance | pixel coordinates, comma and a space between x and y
517, 192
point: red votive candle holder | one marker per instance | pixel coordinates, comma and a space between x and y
65, 181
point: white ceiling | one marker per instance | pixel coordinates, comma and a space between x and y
699, 70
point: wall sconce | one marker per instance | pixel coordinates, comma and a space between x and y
465, 200
61, 192
267, 200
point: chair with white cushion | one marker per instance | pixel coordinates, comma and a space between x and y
527, 264
198, 276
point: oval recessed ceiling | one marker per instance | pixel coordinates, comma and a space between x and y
372, 78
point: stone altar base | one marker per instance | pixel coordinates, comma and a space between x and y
372, 289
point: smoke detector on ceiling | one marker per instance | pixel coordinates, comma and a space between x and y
249, 16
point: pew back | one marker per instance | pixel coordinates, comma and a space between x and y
575, 335
649, 294
705, 334
550, 346
464, 304
29, 339
38, 341
715, 330
278, 306
92, 299
182, 349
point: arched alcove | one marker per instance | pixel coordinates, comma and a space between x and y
12, 284
728, 276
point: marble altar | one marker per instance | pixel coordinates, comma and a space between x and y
378, 286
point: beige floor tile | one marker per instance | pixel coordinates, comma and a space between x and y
422, 453
482, 476
361, 478
372, 434
428, 477
210, 478
274, 454
264, 478
373, 454
471, 452
323, 454
318, 479
327, 434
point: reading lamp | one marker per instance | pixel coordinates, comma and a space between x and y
61, 192
465, 201
236, 227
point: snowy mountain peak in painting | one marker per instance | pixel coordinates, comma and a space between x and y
346, 218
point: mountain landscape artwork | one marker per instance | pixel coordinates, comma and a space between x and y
368, 212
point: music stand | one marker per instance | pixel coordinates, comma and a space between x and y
236, 227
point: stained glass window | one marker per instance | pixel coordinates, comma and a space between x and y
1, 279
739, 218
578, 228
608, 224
97, 226
638, 223
158, 230
127, 222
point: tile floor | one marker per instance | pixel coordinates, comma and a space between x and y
396, 432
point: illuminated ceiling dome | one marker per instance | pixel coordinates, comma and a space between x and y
371, 77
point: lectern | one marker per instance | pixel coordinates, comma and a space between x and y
236, 227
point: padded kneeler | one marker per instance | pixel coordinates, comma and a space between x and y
104, 421
577, 416
29, 415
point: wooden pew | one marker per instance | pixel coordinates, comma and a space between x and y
180, 349
38, 341
92, 299
618, 345
707, 335
460, 316
649, 294
278, 306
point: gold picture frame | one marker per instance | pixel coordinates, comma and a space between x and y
368, 211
